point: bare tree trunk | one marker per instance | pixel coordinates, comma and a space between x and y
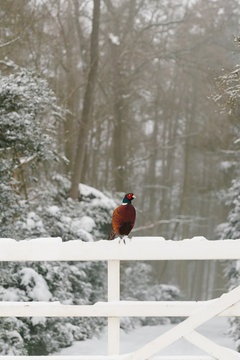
87, 104
119, 134
119, 58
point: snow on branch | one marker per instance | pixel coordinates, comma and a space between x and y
9, 42
114, 39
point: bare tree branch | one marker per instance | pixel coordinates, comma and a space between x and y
159, 222
9, 42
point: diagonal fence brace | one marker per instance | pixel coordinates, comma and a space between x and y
187, 326
213, 349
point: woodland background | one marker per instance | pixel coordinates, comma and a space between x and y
144, 97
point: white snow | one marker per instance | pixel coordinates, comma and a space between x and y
7, 241
45, 241
215, 329
114, 39
14, 334
226, 165
197, 29
11, 294
85, 236
148, 127
237, 265
36, 285
86, 223
220, 11
30, 223
99, 199
36, 320
66, 219
82, 227
87, 190
53, 210
237, 141
34, 221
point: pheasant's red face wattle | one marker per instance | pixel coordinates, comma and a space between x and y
129, 196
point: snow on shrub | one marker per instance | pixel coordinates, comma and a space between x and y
138, 283
231, 230
54, 214
35, 285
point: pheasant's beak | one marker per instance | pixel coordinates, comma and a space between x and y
134, 197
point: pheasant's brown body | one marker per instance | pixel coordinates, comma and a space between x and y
123, 220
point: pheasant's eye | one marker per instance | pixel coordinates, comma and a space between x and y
129, 196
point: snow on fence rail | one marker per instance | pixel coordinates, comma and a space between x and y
138, 248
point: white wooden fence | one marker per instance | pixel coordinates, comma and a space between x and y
137, 248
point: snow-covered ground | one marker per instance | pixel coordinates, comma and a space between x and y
215, 329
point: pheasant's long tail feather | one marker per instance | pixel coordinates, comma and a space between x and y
112, 235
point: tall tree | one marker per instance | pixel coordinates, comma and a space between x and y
87, 104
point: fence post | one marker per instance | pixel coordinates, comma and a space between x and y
113, 295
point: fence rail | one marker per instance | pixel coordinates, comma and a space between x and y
111, 309
138, 248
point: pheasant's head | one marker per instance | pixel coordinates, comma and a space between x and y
128, 198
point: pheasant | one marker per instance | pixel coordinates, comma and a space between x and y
123, 218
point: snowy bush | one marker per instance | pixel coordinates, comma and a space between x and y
231, 230
34, 203
43, 281
68, 282
229, 99
229, 92
54, 214
28, 115
138, 283
13, 334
